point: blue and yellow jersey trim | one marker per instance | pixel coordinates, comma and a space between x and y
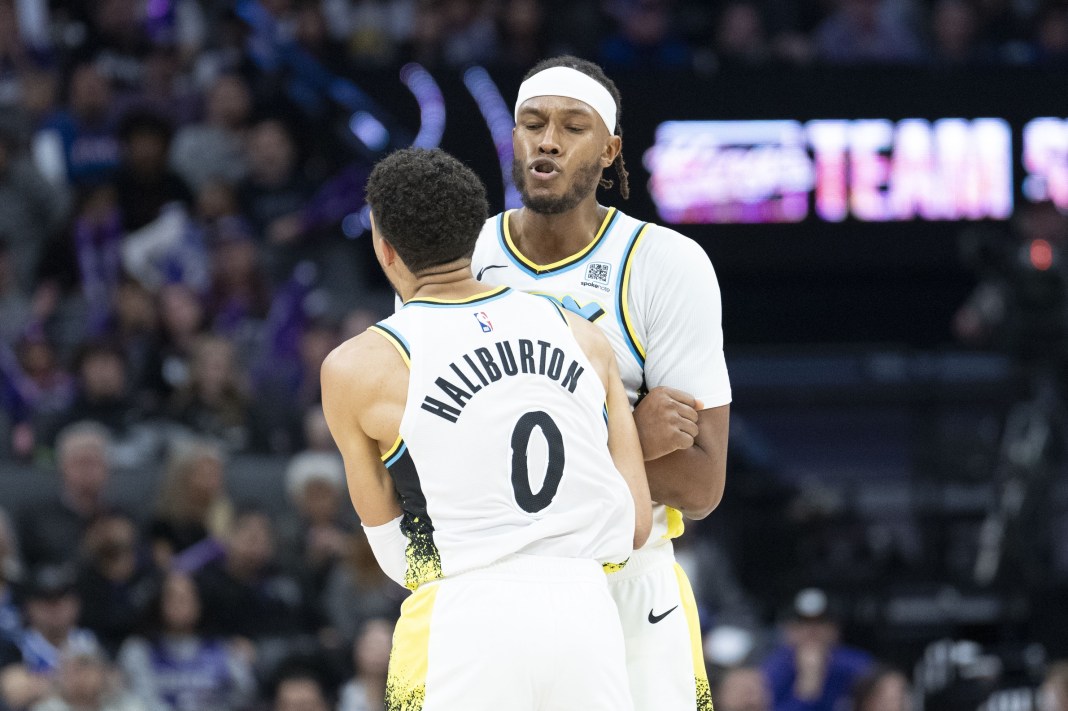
558, 307
391, 455
626, 321
540, 270
480, 298
396, 339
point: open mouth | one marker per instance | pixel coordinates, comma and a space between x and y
544, 168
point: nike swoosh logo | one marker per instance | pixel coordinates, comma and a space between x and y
484, 269
653, 619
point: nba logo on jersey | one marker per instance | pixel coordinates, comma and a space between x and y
483, 321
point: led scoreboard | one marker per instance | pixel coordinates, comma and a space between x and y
871, 170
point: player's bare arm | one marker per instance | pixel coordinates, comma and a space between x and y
685, 449
365, 383
623, 443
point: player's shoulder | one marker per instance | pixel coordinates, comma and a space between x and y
667, 253
662, 240
358, 361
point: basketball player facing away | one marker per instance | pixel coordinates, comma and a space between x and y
655, 295
490, 449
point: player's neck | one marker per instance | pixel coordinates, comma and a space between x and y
448, 281
545, 238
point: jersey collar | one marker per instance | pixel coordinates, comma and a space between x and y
540, 270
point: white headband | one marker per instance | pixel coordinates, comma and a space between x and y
565, 81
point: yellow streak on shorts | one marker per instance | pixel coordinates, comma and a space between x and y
406, 680
689, 607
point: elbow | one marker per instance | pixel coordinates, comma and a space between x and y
702, 502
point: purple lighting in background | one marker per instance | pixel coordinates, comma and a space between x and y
431, 104
500, 122
369, 130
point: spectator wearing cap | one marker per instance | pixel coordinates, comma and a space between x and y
85, 681
51, 607
314, 534
812, 670
49, 531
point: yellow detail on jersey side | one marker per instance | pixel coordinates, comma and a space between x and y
406, 679
614, 567
689, 608
563, 262
675, 526
396, 344
421, 554
624, 295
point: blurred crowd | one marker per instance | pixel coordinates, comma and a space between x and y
177, 213
196, 601
179, 252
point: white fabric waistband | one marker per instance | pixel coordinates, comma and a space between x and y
645, 559
519, 566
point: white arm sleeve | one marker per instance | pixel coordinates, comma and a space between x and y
676, 293
389, 544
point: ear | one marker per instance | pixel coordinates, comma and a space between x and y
386, 253
389, 254
611, 150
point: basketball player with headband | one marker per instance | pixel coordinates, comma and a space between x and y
654, 294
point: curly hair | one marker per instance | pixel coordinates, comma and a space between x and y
594, 72
428, 205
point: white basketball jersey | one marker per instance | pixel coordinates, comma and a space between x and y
655, 296
503, 445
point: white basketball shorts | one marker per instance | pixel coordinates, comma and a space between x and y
530, 633
665, 657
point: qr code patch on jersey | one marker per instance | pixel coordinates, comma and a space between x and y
598, 271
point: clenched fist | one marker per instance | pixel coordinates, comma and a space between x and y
666, 419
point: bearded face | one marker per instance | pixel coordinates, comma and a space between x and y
583, 183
